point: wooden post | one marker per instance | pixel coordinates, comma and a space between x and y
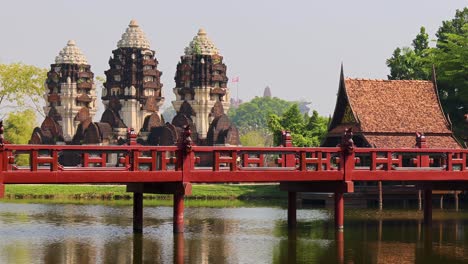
419, 200
456, 200
2, 185
137, 212
339, 210
137, 248
380, 196
179, 248
441, 201
428, 206
292, 246
178, 218
292, 209
340, 252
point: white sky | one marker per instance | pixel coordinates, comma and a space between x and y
295, 47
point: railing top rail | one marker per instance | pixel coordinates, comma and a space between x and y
264, 149
411, 150
225, 148
88, 147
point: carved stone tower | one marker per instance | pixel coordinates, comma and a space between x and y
132, 90
70, 91
201, 82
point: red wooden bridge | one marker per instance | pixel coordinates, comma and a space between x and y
172, 169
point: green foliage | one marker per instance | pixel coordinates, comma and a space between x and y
450, 58
254, 115
22, 84
19, 126
256, 138
18, 129
200, 191
421, 43
454, 26
305, 131
406, 64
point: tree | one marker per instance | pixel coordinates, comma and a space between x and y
22, 85
454, 26
421, 43
305, 131
18, 128
256, 138
409, 64
450, 60
254, 115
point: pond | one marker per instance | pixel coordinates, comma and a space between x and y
102, 233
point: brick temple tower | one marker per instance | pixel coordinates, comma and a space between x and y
201, 89
70, 97
132, 91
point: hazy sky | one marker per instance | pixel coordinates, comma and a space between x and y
295, 47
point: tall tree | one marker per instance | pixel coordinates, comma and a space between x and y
451, 63
454, 26
253, 115
421, 42
18, 128
305, 131
21, 86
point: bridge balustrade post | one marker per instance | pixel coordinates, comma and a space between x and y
289, 160
137, 196
424, 161
185, 158
2, 158
347, 163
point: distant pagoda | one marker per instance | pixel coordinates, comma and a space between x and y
132, 91
202, 96
70, 97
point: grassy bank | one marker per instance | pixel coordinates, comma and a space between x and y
117, 192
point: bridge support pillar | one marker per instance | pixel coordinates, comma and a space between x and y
339, 210
2, 189
292, 209
178, 225
428, 206
137, 212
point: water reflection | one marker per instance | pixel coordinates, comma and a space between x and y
37, 233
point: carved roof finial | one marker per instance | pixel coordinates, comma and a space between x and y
133, 37
71, 54
201, 45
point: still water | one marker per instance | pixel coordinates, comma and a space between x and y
67, 233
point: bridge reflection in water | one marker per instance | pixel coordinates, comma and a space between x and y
103, 234
173, 169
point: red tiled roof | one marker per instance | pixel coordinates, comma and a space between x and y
396, 106
408, 141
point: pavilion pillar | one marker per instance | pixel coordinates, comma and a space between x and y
178, 219
380, 196
137, 212
339, 210
428, 206
292, 209
419, 200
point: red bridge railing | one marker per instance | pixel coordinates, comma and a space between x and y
188, 163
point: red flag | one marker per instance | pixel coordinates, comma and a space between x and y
235, 79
